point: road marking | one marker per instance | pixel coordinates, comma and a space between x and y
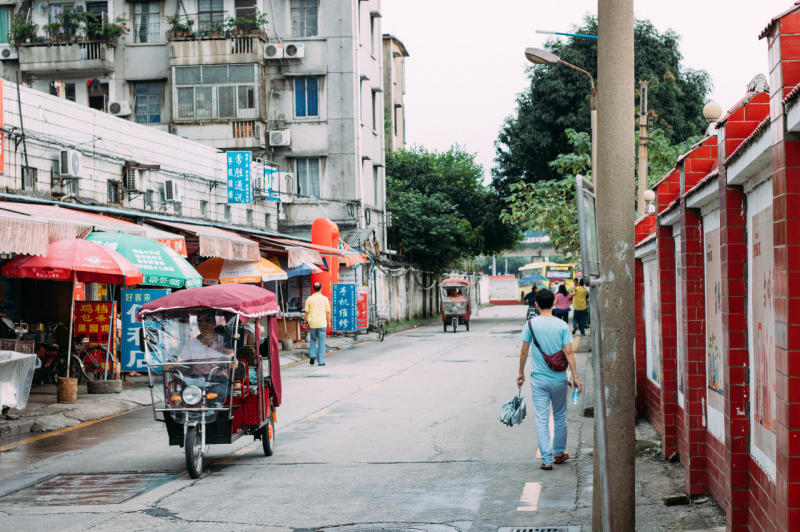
67, 429
315, 415
552, 433
576, 343
373, 386
436, 355
530, 497
329, 353
407, 330
245, 450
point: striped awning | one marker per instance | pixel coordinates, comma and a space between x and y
23, 234
213, 242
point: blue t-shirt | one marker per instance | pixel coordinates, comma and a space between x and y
552, 334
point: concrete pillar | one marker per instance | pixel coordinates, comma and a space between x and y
615, 221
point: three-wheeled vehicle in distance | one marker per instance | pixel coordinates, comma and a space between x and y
455, 305
216, 349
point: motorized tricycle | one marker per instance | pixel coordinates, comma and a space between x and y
215, 349
455, 305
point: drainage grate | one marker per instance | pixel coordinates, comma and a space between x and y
539, 529
84, 490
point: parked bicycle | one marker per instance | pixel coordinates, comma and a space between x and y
381, 317
86, 361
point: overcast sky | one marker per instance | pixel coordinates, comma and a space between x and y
467, 61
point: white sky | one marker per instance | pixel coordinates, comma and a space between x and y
467, 57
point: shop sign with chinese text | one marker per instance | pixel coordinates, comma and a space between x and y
95, 320
240, 189
343, 305
362, 320
132, 352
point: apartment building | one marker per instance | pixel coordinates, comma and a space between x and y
305, 95
394, 86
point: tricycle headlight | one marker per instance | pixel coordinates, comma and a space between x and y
191, 395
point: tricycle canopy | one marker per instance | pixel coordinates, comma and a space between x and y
248, 301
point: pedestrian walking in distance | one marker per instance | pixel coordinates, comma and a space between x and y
580, 310
318, 318
548, 386
562, 304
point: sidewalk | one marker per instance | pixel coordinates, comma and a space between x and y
656, 478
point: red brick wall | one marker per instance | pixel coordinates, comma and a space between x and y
699, 163
668, 190
645, 226
668, 395
692, 312
784, 59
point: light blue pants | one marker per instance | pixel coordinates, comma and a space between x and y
542, 394
316, 348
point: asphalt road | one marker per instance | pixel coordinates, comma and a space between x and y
399, 434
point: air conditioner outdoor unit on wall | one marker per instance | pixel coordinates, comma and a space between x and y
134, 180
172, 191
120, 108
280, 137
7, 53
273, 51
294, 50
69, 163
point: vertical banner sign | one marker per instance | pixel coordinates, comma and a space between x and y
239, 188
344, 307
94, 319
714, 356
362, 319
653, 363
2, 125
680, 352
132, 352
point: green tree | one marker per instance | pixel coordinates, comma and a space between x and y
416, 179
558, 99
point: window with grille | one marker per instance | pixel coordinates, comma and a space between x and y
304, 18
375, 183
307, 171
148, 199
28, 178
249, 217
374, 111
112, 191
97, 8
203, 209
148, 102
216, 91
244, 8
146, 19
306, 97
210, 11
227, 213
5, 24
266, 220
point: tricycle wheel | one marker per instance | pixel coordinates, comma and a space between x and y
194, 452
467, 324
445, 326
381, 332
455, 324
268, 436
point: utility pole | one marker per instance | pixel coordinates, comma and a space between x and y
615, 226
643, 138
494, 265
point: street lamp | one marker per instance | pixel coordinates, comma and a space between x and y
537, 56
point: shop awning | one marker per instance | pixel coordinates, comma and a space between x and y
22, 234
66, 216
212, 242
58, 228
176, 242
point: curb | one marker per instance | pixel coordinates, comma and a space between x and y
15, 428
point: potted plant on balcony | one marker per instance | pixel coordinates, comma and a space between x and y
216, 28
179, 26
52, 29
113, 31
257, 23
22, 32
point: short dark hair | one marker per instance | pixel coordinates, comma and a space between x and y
545, 299
317, 286
581, 281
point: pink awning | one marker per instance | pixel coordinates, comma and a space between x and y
63, 215
58, 228
23, 234
215, 242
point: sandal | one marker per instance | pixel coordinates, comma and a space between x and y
560, 459
546, 467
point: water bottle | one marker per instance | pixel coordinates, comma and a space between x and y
575, 395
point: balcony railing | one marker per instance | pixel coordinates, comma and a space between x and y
77, 58
245, 130
216, 50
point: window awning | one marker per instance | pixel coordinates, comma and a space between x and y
57, 227
63, 215
209, 241
176, 242
350, 258
23, 234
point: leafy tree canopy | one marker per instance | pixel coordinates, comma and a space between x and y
558, 99
441, 210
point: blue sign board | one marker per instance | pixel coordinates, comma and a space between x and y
240, 190
343, 309
132, 352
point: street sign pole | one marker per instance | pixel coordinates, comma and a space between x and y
590, 259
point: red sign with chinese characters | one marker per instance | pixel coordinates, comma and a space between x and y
95, 320
362, 316
2, 137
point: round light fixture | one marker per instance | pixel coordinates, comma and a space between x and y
712, 111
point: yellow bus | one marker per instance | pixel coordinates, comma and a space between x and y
551, 271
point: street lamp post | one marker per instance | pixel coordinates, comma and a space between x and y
537, 56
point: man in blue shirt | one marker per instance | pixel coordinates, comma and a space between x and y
548, 386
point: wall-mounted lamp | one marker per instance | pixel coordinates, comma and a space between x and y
649, 199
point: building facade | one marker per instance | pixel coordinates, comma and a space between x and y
303, 93
394, 86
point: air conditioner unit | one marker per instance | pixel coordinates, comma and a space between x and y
69, 163
294, 50
280, 137
7, 53
273, 51
172, 191
134, 180
120, 108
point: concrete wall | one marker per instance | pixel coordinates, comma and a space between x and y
394, 84
106, 142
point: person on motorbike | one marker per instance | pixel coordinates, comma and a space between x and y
531, 300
